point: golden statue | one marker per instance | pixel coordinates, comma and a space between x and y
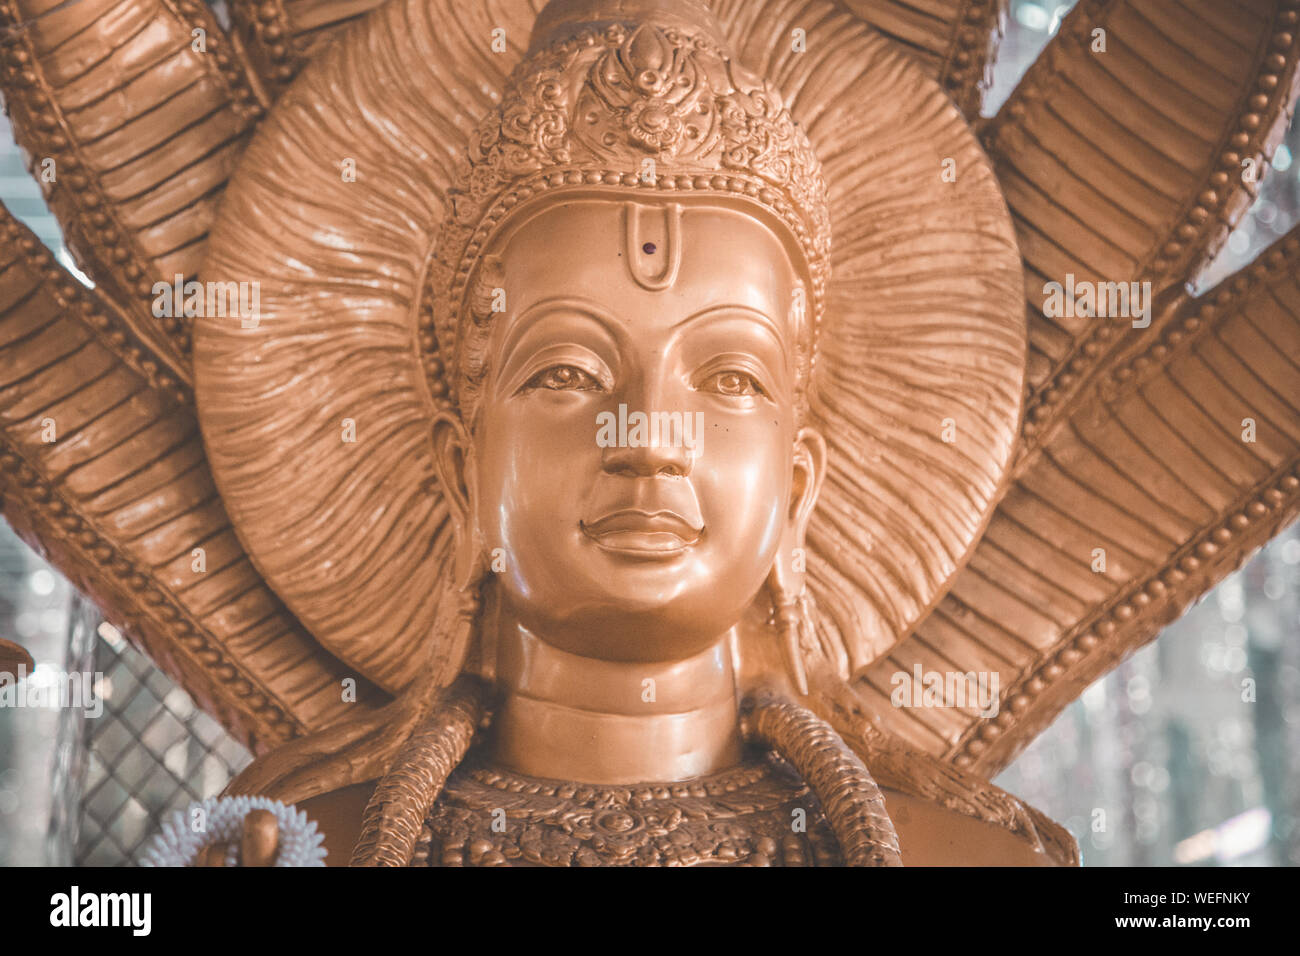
643, 431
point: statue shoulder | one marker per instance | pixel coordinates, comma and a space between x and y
945, 815
930, 834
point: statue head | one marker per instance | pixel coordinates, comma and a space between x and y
556, 325
625, 299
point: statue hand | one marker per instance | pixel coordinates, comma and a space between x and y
258, 843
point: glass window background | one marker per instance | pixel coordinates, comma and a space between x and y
1188, 753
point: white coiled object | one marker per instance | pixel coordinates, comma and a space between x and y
221, 820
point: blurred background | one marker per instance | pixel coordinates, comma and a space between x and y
1163, 761
1187, 754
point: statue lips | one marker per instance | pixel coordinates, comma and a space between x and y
643, 533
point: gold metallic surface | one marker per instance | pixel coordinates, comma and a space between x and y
281, 391
397, 809
853, 803
749, 815
440, 575
593, 720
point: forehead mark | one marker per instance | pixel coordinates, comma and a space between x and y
652, 244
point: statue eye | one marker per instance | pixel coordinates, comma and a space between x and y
733, 383
564, 378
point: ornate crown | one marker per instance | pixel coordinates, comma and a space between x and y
653, 105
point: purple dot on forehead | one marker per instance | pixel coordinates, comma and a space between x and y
648, 248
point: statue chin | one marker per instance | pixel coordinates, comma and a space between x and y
623, 638
617, 608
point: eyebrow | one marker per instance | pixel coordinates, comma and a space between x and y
544, 307
748, 311
609, 323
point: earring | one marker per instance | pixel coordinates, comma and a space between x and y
791, 618
455, 627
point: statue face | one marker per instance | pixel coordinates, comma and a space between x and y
634, 456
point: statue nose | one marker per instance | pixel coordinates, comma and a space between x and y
667, 455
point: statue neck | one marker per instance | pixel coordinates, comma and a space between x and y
566, 717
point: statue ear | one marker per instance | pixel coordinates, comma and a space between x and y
453, 460
787, 580
809, 473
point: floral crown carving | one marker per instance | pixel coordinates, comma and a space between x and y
620, 107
